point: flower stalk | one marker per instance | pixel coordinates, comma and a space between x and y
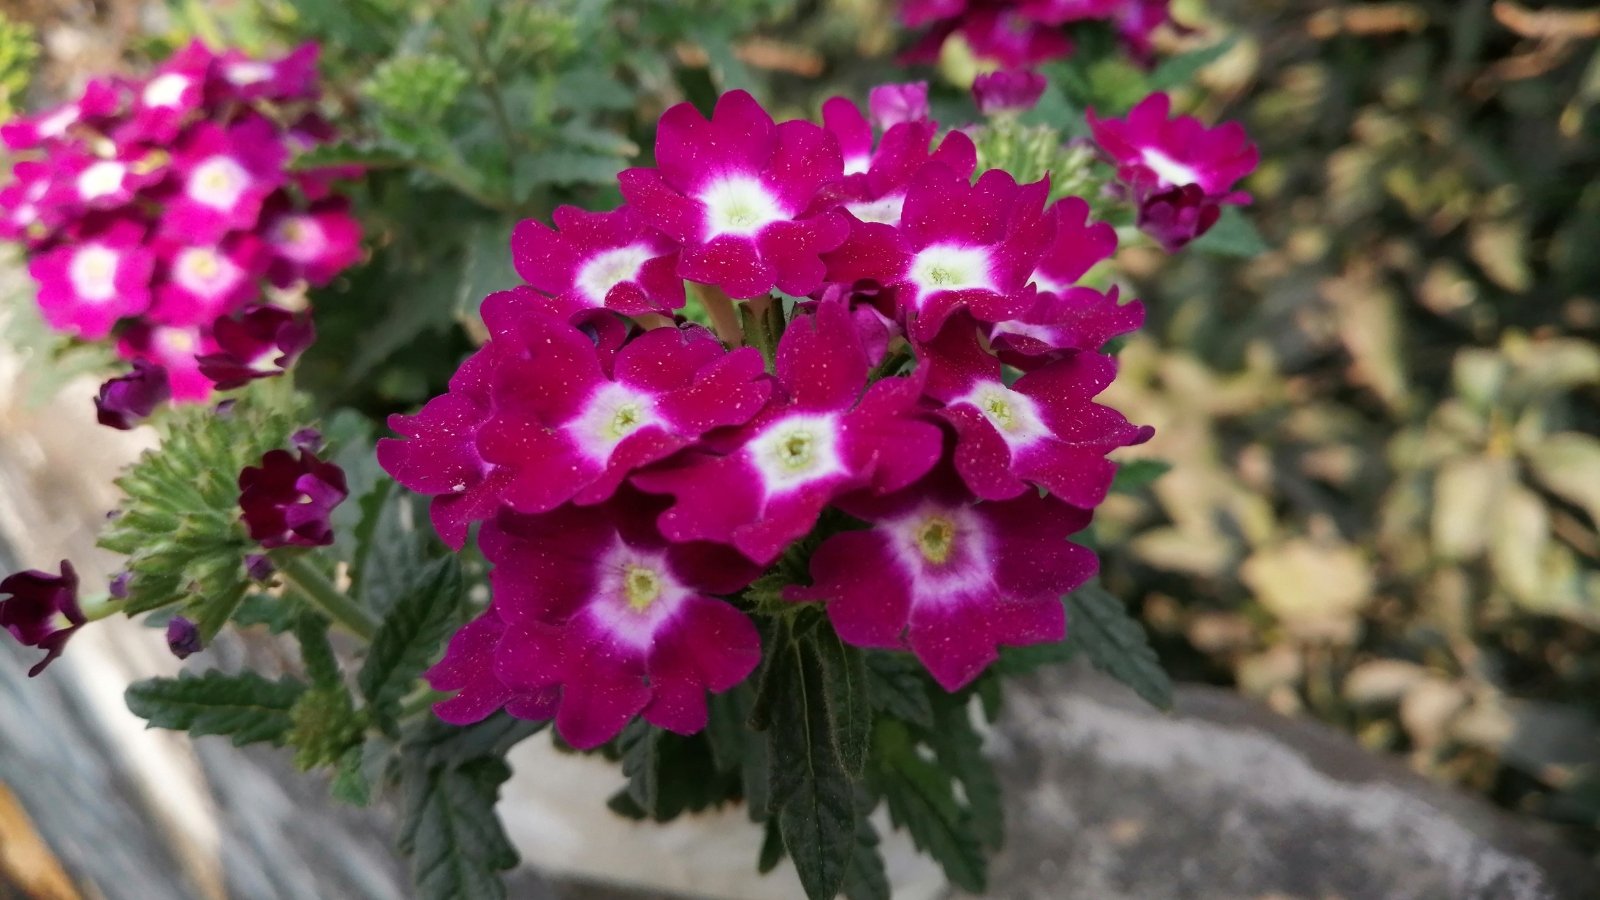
315, 588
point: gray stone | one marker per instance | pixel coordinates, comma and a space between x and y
1110, 799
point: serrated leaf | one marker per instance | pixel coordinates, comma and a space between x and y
638, 742
1233, 235
771, 848
810, 788
960, 750
1099, 627
921, 798
898, 687
316, 653
450, 830
350, 784
844, 675
866, 878
410, 636
1022, 660
432, 741
244, 707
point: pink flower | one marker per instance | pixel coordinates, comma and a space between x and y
596, 603
1159, 158
32, 132
1007, 91
822, 438
735, 192
173, 95
207, 281
468, 669
41, 610
286, 501
292, 77
876, 180
84, 181
958, 246
892, 104
86, 286
24, 213
599, 261
314, 244
225, 176
1044, 430
569, 429
949, 578
174, 349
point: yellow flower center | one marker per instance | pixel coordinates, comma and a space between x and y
936, 538
796, 450
642, 586
624, 421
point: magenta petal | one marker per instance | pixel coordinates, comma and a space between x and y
468, 668
730, 262
820, 359
866, 592
593, 712
953, 639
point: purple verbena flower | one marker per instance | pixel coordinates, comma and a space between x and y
183, 637
41, 610
286, 501
607, 260
1007, 91
260, 342
126, 399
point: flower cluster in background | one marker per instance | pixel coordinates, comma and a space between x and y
1019, 33
152, 209
915, 403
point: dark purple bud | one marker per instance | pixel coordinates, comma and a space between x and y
307, 439
183, 637
224, 410
1009, 91
1177, 216
126, 399
259, 567
41, 610
260, 342
287, 499
119, 584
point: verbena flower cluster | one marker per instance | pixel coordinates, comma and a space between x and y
634, 474
1019, 33
152, 209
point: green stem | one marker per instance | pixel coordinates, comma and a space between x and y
303, 576
724, 320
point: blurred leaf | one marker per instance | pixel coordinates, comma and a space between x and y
1180, 70
1568, 465
1521, 533
1466, 496
1233, 235
245, 707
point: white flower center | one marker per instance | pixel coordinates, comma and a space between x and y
1169, 170
949, 267
177, 342
93, 272
244, 74
58, 121
218, 182
946, 552
1014, 415
884, 209
613, 413
796, 451
100, 179
165, 90
611, 268
634, 594
739, 205
204, 271
855, 165
300, 238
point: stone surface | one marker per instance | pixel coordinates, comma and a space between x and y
1224, 799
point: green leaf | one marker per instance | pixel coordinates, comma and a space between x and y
450, 830
432, 741
1233, 235
311, 631
410, 636
394, 548
245, 707
897, 686
921, 798
1022, 660
844, 675
1099, 627
960, 750
810, 788
638, 742
771, 848
866, 878
1137, 474
1180, 70
564, 167
350, 782
278, 614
